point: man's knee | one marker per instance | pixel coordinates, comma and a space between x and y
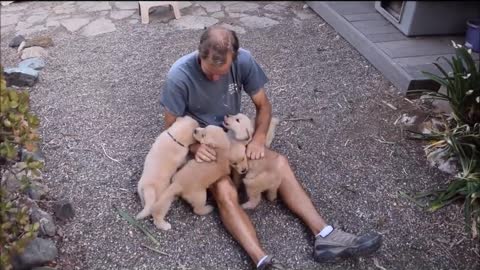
224, 192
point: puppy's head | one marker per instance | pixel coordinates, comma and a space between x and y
238, 158
183, 128
240, 125
212, 136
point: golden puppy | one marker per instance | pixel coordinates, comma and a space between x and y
263, 174
167, 154
191, 181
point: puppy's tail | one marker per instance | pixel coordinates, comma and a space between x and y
271, 131
148, 199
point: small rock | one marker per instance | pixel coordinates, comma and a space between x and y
10, 182
37, 191
41, 41
47, 226
34, 63
63, 210
16, 41
38, 252
21, 76
37, 155
32, 52
449, 166
305, 6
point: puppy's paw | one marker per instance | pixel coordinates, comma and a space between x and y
272, 195
205, 210
249, 205
163, 225
143, 214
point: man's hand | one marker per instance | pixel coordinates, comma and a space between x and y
256, 149
203, 153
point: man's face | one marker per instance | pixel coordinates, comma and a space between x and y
214, 72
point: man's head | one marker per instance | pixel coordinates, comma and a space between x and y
217, 50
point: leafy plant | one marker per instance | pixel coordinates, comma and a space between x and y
17, 131
461, 134
462, 85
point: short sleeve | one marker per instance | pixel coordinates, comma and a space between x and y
252, 75
174, 97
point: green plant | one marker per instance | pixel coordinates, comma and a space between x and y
462, 86
17, 130
460, 135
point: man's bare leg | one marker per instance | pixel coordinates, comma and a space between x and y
297, 200
236, 221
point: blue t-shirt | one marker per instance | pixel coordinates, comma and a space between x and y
187, 91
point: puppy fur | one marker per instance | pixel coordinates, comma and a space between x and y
163, 160
192, 180
263, 174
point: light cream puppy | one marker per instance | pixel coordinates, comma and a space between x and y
167, 154
263, 174
193, 179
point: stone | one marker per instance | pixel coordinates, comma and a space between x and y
73, 25
449, 166
184, 4
92, 6
47, 226
127, 5
12, 8
65, 8
133, 21
38, 252
16, 41
21, 76
236, 15
99, 26
121, 14
237, 29
274, 8
8, 19
41, 41
218, 15
37, 191
10, 182
63, 210
241, 7
34, 29
198, 11
194, 22
258, 22
37, 155
35, 51
53, 23
33, 63
211, 6
36, 18
304, 14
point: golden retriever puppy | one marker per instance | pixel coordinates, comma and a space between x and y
192, 180
167, 154
241, 127
263, 174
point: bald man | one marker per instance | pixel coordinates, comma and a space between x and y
207, 84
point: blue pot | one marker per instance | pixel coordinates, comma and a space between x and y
472, 37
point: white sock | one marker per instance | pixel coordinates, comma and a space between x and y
261, 260
325, 232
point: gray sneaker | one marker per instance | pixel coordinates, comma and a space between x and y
340, 245
271, 264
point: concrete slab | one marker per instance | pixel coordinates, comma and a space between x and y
97, 27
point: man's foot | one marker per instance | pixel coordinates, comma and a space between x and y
270, 264
339, 245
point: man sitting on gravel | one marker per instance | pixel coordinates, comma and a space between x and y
206, 84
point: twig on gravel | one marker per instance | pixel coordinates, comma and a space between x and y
377, 264
404, 195
389, 105
382, 140
135, 223
156, 250
299, 119
105, 152
348, 140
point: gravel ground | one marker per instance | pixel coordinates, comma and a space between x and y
100, 95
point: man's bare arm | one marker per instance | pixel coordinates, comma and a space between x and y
263, 115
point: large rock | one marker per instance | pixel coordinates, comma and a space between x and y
37, 191
41, 41
16, 41
47, 226
38, 252
33, 63
33, 52
21, 76
63, 210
